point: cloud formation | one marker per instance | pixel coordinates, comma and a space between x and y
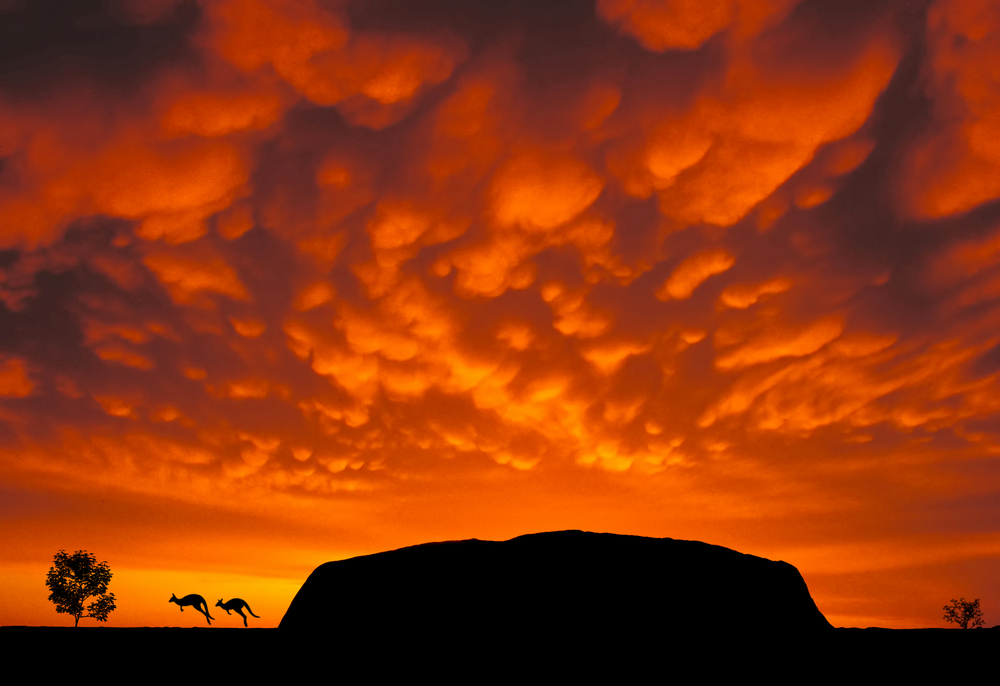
386, 223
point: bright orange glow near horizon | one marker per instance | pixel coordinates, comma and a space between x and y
283, 282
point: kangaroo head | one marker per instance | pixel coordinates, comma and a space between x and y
219, 604
173, 598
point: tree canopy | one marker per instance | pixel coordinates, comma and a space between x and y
73, 579
964, 613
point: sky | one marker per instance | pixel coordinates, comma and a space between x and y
285, 282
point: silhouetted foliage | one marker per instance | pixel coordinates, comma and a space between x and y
75, 578
964, 612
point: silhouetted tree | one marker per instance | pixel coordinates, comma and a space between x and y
964, 612
76, 577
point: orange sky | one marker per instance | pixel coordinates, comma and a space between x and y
283, 282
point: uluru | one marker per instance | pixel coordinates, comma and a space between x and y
558, 587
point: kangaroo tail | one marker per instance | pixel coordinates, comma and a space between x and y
251, 611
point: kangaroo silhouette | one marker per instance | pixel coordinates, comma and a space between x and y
236, 604
195, 601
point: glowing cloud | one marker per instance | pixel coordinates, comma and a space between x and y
14, 379
794, 341
693, 272
668, 24
539, 192
187, 276
953, 168
742, 296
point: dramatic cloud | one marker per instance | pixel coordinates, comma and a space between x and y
955, 169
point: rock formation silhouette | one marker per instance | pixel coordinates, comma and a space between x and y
556, 588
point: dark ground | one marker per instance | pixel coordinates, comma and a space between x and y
865, 655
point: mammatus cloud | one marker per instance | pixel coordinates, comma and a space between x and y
661, 25
952, 170
693, 271
14, 379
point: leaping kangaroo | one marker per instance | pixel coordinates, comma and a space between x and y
236, 604
195, 601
